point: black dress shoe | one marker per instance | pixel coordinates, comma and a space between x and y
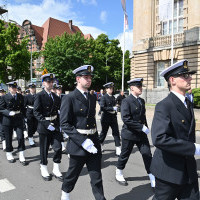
24, 163
124, 183
46, 178
64, 151
12, 161
33, 145
60, 178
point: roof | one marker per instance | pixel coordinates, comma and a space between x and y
88, 36
38, 34
52, 28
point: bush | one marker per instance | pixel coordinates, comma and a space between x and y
196, 93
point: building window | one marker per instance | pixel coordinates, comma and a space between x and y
159, 81
178, 20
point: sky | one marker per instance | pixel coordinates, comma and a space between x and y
91, 16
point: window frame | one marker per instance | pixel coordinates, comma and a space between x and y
176, 18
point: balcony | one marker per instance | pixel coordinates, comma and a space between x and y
164, 41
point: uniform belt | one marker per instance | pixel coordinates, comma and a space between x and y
30, 107
88, 132
51, 118
111, 112
16, 112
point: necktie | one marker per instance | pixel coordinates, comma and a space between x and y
187, 101
86, 94
140, 103
188, 105
51, 99
15, 97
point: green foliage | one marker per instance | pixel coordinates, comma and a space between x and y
196, 93
65, 53
14, 56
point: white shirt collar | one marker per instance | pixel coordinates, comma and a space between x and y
135, 96
81, 91
109, 95
180, 96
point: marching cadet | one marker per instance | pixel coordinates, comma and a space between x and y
46, 106
60, 95
31, 120
109, 117
77, 119
3, 140
134, 130
19, 90
12, 108
59, 91
54, 89
173, 135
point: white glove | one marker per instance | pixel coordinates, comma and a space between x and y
51, 128
197, 151
59, 112
88, 145
145, 130
11, 113
115, 108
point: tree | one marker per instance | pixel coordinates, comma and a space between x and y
14, 55
107, 59
63, 54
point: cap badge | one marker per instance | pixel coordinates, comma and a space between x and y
89, 68
185, 64
51, 75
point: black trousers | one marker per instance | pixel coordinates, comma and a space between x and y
169, 191
93, 163
8, 131
2, 135
32, 125
105, 124
127, 147
54, 139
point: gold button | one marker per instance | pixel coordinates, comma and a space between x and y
136, 108
87, 125
94, 124
183, 121
81, 109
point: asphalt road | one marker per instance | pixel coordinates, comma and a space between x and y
19, 182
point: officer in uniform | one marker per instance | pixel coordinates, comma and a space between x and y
19, 90
31, 120
59, 91
12, 108
54, 89
77, 119
173, 135
109, 117
134, 130
3, 140
46, 106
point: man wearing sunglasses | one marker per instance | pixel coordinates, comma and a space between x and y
134, 131
173, 135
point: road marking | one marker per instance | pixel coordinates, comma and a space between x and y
6, 186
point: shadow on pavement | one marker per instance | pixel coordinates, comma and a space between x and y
139, 178
141, 192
